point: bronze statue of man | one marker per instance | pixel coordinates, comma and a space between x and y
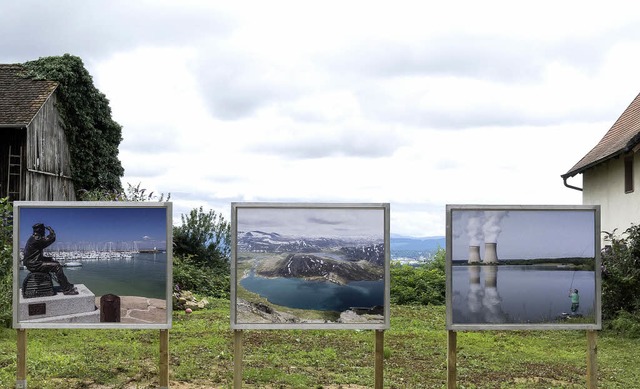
36, 261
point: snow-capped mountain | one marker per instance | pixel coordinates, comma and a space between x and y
271, 242
314, 267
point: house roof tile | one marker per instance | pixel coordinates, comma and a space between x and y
21, 98
623, 136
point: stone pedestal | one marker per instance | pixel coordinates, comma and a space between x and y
60, 308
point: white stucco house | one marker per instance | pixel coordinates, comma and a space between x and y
611, 172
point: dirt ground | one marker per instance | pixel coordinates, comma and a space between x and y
141, 310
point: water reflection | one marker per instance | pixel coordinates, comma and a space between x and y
522, 294
485, 300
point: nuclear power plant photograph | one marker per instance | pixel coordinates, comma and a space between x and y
515, 266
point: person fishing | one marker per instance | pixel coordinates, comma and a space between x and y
575, 300
36, 261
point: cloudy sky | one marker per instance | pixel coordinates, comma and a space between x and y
98, 227
305, 222
525, 234
419, 104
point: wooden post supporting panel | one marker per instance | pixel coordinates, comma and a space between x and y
379, 359
21, 373
592, 360
237, 359
451, 360
164, 359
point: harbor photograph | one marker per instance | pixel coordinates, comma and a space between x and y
93, 256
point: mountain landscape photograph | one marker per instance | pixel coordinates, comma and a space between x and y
319, 266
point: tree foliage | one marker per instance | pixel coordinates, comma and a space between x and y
92, 134
202, 251
132, 193
189, 274
205, 236
621, 273
6, 261
419, 285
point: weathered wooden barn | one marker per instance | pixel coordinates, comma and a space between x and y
35, 162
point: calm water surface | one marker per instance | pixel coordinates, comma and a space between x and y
316, 295
143, 275
518, 294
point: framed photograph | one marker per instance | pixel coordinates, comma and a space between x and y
92, 265
309, 266
523, 267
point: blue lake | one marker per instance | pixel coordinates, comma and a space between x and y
144, 275
518, 294
316, 295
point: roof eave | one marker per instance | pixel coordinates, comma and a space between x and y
13, 126
582, 169
44, 102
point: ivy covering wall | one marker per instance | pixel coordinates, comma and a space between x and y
92, 134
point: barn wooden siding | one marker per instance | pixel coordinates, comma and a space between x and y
47, 160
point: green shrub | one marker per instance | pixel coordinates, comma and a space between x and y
626, 324
419, 285
621, 273
6, 261
203, 280
202, 251
205, 237
6, 296
132, 193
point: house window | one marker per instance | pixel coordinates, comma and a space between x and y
628, 174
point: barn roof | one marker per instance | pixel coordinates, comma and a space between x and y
21, 98
623, 136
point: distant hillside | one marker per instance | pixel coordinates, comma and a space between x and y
430, 244
401, 246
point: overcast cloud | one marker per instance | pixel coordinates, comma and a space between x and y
414, 103
350, 222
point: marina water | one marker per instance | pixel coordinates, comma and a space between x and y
140, 274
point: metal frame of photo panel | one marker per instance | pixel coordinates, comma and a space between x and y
597, 293
52, 206
284, 207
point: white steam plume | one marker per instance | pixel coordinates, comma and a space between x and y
474, 228
492, 225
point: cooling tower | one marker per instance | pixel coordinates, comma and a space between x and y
474, 254
490, 253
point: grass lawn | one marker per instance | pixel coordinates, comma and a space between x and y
201, 356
